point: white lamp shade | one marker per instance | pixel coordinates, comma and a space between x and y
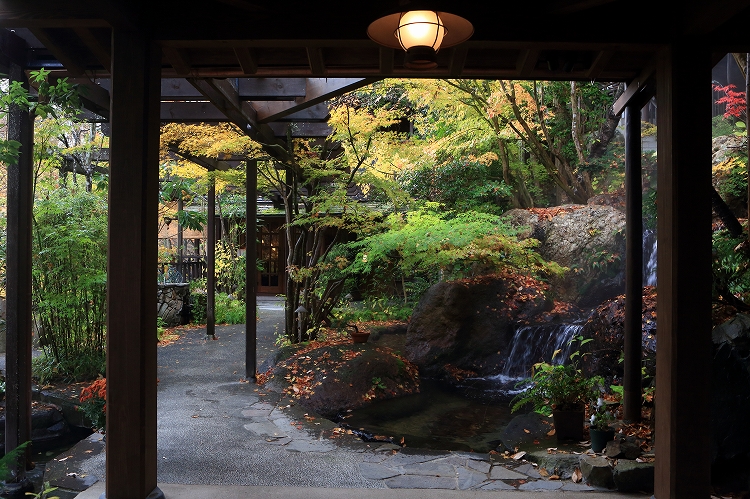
455, 30
420, 28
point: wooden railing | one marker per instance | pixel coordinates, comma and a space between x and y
190, 269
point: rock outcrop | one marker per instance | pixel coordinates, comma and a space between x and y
468, 324
588, 239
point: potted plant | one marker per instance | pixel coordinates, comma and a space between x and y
599, 429
561, 390
358, 337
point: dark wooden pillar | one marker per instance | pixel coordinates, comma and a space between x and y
131, 268
211, 258
251, 278
633, 264
684, 250
18, 282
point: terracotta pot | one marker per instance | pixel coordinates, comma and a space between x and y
360, 337
599, 438
568, 424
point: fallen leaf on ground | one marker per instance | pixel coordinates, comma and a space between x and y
543, 472
577, 476
518, 455
526, 431
554, 477
551, 432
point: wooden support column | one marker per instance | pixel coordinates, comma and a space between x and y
180, 241
251, 277
18, 282
211, 258
633, 264
131, 268
683, 354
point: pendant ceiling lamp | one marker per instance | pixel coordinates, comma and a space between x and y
421, 33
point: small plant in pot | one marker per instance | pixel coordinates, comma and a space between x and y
600, 428
561, 390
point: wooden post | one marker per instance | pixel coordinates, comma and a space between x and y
180, 242
211, 259
251, 234
633, 264
18, 282
131, 268
683, 354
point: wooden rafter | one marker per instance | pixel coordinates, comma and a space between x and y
526, 62
317, 61
101, 52
458, 60
247, 60
599, 63
179, 59
637, 89
68, 58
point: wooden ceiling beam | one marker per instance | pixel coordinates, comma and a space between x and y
101, 52
600, 62
223, 95
710, 16
301, 130
94, 97
247, 60
317, 61
636, 89
386, 58
526, 62
178, 59
458, 60
191, 112
571, 7
318, 90
66, 57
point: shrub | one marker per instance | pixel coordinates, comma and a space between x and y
69, 281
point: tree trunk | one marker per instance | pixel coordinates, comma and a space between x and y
725, 214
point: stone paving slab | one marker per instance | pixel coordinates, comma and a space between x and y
480, 466
542, 485
430, 468
420, 482
497, 485
469, 479
374, 471
500, 473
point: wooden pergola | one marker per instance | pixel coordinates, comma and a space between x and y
219, 50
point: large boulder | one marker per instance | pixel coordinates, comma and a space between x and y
605, 328
468, 324
588, 239
724, 176
330, 378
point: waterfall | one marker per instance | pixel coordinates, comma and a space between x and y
649, 257
532, 344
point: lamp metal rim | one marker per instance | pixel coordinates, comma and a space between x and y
457, 29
